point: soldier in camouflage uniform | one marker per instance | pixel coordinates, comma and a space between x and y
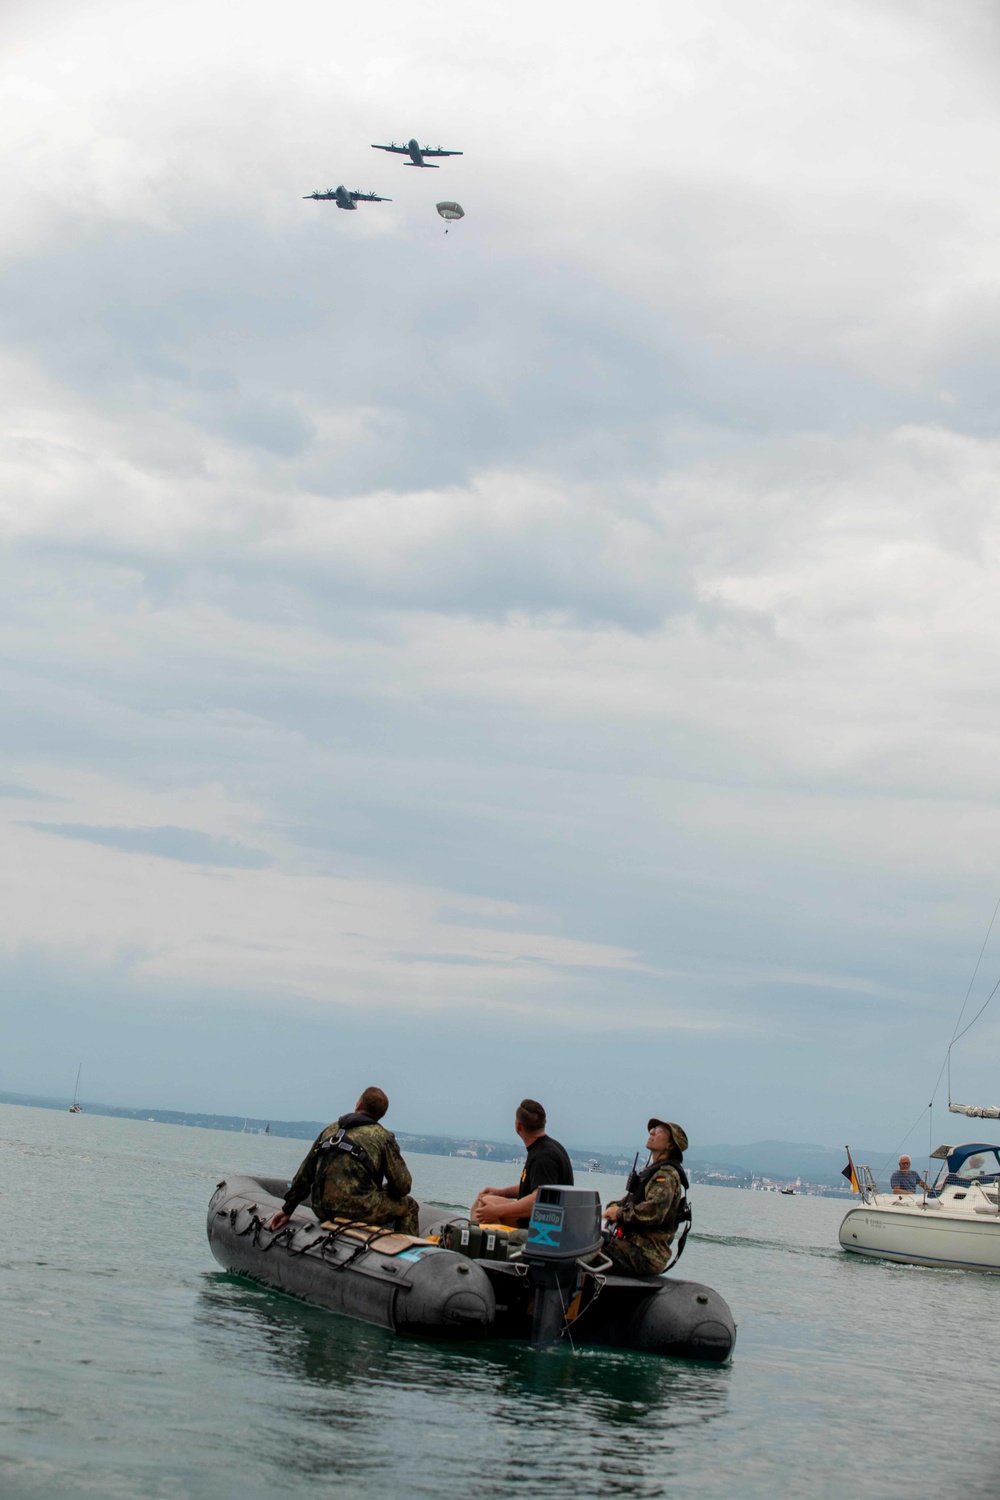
355, 1171
648, 1215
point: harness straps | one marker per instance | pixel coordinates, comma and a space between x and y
341, 1142
682, 1217
637, 1181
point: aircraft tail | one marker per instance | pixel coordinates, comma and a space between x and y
433, 165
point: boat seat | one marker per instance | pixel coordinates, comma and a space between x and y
385, 1241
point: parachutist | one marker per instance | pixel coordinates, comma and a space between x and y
451, 213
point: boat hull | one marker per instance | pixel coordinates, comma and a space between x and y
424, 1291
430, 1291
922, 1237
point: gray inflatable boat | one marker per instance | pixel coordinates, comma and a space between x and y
556, 1286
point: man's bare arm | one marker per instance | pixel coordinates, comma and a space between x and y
500, 1208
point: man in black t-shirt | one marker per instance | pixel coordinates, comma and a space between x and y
546, 1163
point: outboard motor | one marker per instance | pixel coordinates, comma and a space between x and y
565, 1225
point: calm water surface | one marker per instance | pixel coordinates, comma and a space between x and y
133, 1366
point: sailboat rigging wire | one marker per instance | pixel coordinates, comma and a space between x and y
972, 981
979, 1012
956, 1034
906, 1137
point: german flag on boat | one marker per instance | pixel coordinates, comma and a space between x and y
849, 1172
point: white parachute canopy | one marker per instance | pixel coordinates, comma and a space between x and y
451, 211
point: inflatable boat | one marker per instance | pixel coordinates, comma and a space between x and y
459, 1280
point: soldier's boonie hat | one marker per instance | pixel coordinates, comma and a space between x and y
679, 1134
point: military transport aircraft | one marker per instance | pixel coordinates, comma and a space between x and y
344, 199
417, 153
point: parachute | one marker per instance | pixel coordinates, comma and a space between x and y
451, 213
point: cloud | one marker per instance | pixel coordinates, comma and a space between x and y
330, 941
590, 615
188, 845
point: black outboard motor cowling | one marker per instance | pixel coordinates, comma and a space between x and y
565, 1225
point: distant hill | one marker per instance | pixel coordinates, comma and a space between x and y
778, 1159
787, 1160
294, 1129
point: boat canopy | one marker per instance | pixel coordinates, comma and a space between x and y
957, 1156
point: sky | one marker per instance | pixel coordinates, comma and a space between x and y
559, 658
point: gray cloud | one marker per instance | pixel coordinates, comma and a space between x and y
625, 560
187, 845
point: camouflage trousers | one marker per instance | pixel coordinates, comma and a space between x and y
401, 1214
638, 1256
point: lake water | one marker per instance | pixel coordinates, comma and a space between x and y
132, 1366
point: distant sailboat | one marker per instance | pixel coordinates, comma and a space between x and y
267, 1128
76, 1108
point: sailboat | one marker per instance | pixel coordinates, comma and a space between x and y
953, 1221
76, 1108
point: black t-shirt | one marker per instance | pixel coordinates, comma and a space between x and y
546, 1162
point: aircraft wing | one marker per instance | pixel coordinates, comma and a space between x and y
436, 151
399, 150
369, 198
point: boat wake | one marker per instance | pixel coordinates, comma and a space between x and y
755, 1242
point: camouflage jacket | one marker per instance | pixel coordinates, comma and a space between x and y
338, 1183
653, 1219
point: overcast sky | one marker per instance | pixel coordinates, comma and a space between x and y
558, 658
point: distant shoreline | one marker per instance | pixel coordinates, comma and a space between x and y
768, 1166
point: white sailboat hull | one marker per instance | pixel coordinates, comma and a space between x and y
920, 1236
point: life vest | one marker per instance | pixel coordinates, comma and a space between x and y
681, 1214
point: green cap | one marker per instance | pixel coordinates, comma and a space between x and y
679, 1134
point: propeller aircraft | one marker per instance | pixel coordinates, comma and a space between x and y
417, 153
344, 199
